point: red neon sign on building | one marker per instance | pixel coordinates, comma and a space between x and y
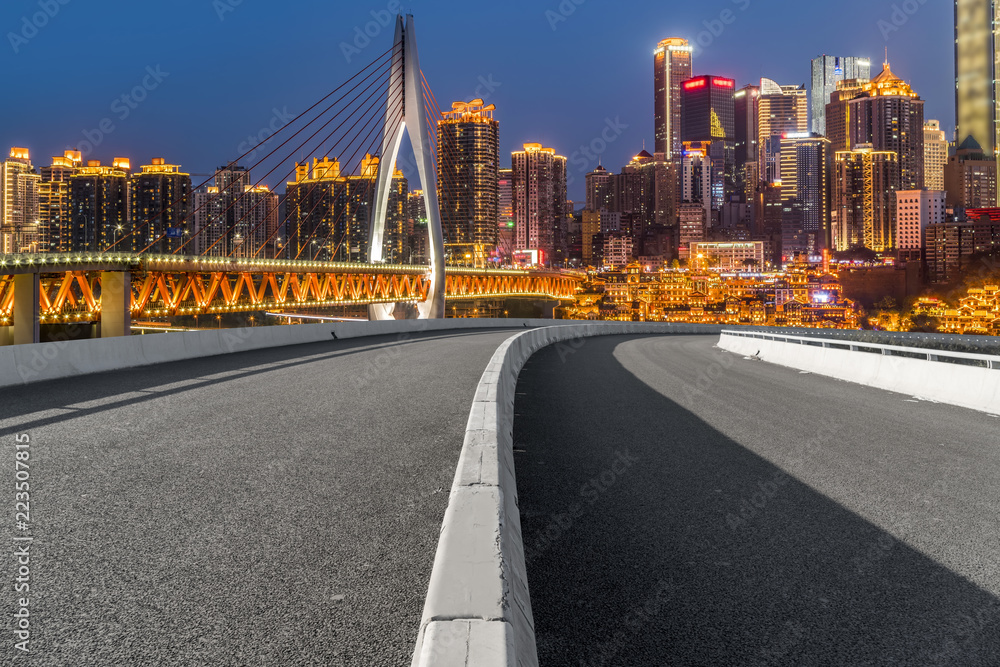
696, 83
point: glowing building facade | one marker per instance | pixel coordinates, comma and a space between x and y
539, 199
468, 157
55, 211
827, 72
20, 224
977, 88
100, 205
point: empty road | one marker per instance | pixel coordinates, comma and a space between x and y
682, 505
275, 507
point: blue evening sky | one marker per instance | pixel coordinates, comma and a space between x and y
557, 71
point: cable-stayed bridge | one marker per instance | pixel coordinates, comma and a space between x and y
230, 252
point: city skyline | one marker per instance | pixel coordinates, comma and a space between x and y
529, 108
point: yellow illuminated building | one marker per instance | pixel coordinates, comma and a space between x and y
977, 50
798, 297
54, 199
329, 211
20, 223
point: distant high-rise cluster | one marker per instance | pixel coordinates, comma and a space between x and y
72, 205
842, 162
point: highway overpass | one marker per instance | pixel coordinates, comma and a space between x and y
679, 505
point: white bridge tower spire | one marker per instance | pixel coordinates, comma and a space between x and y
406, 94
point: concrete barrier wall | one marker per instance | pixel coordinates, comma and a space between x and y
22, 364
956, 384
478, 611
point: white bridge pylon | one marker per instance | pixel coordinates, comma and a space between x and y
405, 113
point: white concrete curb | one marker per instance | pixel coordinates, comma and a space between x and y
478, 611
23, 364
966, 386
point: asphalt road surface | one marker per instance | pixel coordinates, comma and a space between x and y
682, 505
276, 507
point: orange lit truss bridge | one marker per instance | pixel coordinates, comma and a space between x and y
69, 287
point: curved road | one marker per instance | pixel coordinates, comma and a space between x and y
276, 507
682, 505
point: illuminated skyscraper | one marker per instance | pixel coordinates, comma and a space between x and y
161, 200
505, 216
827, 71
539, 199
838, 113
746, 110
863, 209
671, 67
915, 211
20, 223
598, 195
935, 155
708, 115
100, 203
970, 177
415, 252
54, 207
696, 176
329, 212
804, 196
977, 82
889, 116
468, 156
781, 110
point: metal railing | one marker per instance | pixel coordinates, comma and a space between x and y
928, 354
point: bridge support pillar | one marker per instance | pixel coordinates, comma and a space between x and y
116, 304
26, 297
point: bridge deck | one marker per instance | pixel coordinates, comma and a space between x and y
272, 507
756, 515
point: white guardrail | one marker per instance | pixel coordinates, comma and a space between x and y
478, 611
958, 378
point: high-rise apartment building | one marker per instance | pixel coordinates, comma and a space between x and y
100, 202
20, 224
935, 155
468, 162
747, 117
804, 195
838, 129
781, 110
161, 201
598, 189
539, 199
915, 210
234, 218
55, 211
696, 176
671, 67
708, 115
863, 210
693, 227
970, 177
415, 250
889, 115
827, 71
329, 211
977, 81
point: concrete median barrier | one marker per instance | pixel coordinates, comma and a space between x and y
478, 609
